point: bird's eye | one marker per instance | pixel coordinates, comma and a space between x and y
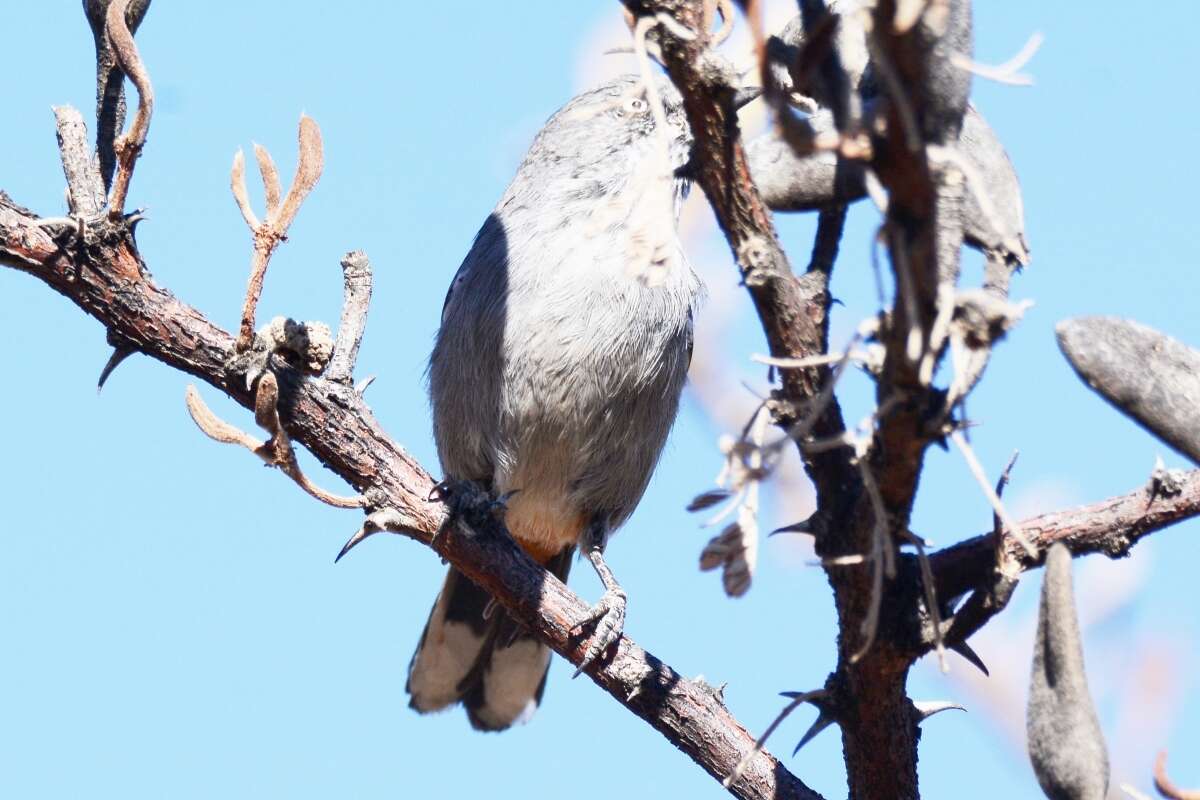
634, 105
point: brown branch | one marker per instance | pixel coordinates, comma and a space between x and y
85, 191
270, 233
1165, 786
332, 421
356, 298
879, 732
1111, 527
110, 82
128, 146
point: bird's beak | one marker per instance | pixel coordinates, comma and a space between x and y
746, 95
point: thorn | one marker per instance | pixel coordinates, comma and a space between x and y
803, 526
361, 386
823, 721
385, 519
964, 650
119, 354
746, 95
927, 708
359, 535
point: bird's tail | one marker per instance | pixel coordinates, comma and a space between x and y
492, 666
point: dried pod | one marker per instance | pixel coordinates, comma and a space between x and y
708, 499
1066, 745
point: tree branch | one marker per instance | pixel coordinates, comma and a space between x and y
1111, 527
106, 278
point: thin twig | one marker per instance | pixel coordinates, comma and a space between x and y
273, 230
1165, 786
356, 299
128, 146
85, 189
797, 701
1008, 71
981, 478
277, 452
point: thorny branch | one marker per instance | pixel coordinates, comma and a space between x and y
1111, 527
108, 280
865, 483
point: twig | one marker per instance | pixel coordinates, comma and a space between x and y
110, 83
333, 422
1008, 71
1111, 527
977, 472
270, 233
277, 452
356, 299
85, 190
128, 146
798, 699
1165, 786
881, 548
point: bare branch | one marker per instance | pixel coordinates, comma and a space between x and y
269, 234
1008, 72
797, 699
85, 191
128, 146
1165, 786
356, 298
110, 82
690, 714
277, 452
1111, 527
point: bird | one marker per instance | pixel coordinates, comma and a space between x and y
556, 375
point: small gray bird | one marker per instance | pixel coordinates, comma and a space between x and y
564, 344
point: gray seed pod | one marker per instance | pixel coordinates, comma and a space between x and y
1066, 745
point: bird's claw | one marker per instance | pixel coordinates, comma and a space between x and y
469, 501
608, 617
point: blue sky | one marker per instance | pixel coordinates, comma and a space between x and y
172, 622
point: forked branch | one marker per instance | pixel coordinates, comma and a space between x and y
128, 146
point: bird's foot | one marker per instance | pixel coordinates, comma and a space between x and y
608, 620
469, 501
